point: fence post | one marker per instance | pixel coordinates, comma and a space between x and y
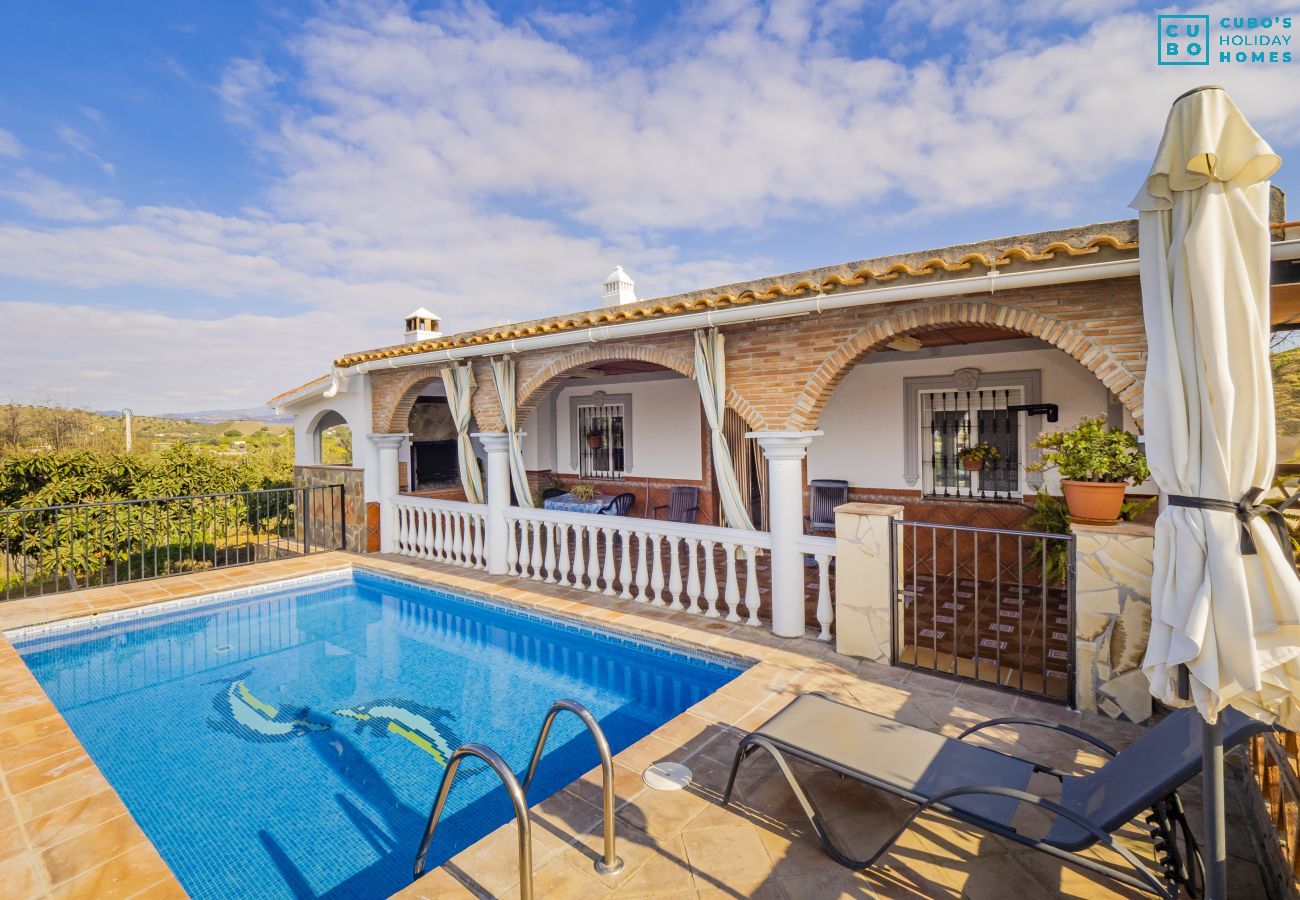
865, 579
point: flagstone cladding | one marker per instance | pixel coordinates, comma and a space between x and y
781, 373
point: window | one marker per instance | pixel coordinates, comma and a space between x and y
954, 420
601, 437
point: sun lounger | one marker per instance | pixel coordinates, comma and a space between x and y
984, 788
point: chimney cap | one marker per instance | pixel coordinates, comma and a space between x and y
421, 313
618, 275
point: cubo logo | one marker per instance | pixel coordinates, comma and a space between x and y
1183, 40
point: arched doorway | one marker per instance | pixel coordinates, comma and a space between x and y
331, 439
432, 464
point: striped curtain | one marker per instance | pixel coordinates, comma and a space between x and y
746, 456
711, 377
459, 382
503, 375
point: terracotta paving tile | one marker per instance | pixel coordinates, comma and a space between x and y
60, 792
48, 769
34, 741
72, 857
74, 818
22, 878
121, 876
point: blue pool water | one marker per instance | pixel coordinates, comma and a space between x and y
290, 743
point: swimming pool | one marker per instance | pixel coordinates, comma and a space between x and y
288, 741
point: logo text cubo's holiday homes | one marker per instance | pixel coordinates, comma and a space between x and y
1196, 40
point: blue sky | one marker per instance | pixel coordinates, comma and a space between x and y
202, 204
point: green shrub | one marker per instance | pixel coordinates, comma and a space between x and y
1092, 452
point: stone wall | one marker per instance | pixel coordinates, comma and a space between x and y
332, 524
1113, 619
864, 596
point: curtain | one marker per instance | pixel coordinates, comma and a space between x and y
711, 377
503, 374
748, 463
459, 382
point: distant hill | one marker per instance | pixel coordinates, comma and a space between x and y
263, 414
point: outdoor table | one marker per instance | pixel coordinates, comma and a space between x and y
570, 503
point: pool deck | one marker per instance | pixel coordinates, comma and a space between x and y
65, 833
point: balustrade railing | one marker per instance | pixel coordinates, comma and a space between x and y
448, 531
822, 551
663, 564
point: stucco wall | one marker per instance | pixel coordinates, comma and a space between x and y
665, 426
863, 421
352, 402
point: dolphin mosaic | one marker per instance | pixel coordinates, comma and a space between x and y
244, 714
424, 727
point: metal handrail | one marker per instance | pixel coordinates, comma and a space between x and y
610, 864
522, 820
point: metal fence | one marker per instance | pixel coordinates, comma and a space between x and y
49, 549
990, 605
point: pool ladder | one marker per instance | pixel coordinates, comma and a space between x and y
610, 864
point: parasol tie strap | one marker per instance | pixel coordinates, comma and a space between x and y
1245, 509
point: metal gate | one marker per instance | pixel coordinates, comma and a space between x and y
985, 604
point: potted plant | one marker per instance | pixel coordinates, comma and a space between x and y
1096, 464
583, 492
975, 457
595, 439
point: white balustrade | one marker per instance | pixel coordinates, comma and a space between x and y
642, 560
448, 531
671, 565
822, 549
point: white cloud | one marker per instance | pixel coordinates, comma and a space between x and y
50, 199
9, 145
110, 358
497, 171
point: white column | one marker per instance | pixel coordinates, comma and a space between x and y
388, 445
497, 445
785, 451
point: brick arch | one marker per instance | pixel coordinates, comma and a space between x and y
539, 385
1063, 335
406, 389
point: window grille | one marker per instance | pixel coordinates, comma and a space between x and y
603, 426
954, 420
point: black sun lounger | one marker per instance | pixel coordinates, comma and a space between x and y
984, 787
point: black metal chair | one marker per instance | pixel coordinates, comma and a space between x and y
619, 505
553, 492
683, 504
824, 494
984, 788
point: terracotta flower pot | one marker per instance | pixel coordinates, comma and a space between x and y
972, 465
595, 441
1094, 502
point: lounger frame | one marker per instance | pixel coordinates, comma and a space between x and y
1182, 867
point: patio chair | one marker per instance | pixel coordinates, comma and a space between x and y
824, 494
619, 505
984, 787
683, 503
553, 492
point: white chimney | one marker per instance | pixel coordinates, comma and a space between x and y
421, 325
618, 288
